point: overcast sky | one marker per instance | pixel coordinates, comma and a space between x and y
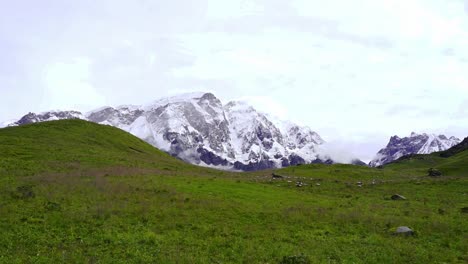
357, 72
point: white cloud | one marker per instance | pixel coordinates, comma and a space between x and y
67, 85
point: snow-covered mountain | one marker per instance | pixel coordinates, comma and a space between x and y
47, 116
414, 144
200, 129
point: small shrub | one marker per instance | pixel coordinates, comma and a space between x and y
296, 259
24, 192
51, 206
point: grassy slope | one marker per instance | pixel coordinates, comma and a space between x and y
72, 191
456, 165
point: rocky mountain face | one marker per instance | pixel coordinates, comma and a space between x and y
414, 144
202, 130
48, 116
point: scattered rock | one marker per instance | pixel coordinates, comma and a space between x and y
318, 184
404, 230
276, 176
398, 197
434, 172
299, 184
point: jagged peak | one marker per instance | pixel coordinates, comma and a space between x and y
209, 96
185, 97
239, 106
416, 143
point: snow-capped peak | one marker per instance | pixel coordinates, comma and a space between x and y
47, 116
415, 144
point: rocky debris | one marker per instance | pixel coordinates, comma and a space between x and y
318, 184
396, 197
299, 184
359, 184
434, 172
276, 176
404, 230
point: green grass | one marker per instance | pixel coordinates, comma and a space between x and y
77, 192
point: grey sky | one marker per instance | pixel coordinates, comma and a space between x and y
357, 72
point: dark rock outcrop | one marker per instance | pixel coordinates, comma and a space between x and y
396, 197
210, 158
434, 172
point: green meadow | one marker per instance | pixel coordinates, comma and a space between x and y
77, 192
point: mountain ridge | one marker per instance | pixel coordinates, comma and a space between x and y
414, 144
200, 129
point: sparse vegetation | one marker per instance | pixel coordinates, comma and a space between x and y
78, 192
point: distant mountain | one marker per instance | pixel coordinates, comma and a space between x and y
47, 116
414, 144
462, 146
200, 129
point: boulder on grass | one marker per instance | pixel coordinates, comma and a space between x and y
396, 197
404, 230
276, 176
434, 172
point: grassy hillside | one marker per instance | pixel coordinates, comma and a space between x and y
77, 192
76, 145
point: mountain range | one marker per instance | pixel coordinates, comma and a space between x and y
200, 129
